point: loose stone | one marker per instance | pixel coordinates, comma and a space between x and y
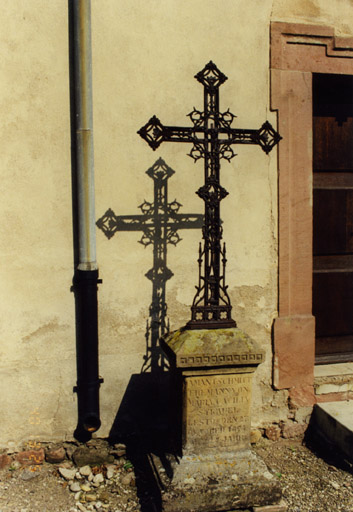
120, 449
55, 455
90, 477
75, 487
91, 497
85, 470
104, 496
66, 464
128, 479
98, 478
78, 495
110, 471
81, 507
30, 457
68, 474
85, 487
84, 456
273, 433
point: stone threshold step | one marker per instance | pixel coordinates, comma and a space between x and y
334, 422
333, 378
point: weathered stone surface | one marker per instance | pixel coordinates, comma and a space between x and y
292, 430
90, 456
302, 396
255, 435
217, 412
5, 460
273, 433
70, 448
217, 471
220, 483
211, 347
55, 455
30, 457
303, 414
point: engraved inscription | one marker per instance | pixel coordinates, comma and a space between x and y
217, 412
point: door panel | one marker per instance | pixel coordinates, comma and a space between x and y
333, 217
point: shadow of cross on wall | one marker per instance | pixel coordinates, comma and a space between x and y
159, 223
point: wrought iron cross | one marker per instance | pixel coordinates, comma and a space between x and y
159, 223
212, 137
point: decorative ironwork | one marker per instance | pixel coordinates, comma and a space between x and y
159, 223
212, 137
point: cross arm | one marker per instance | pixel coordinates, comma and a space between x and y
266, 136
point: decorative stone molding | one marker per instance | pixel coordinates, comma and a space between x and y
206, 360
308, 48
211, 348
297, 51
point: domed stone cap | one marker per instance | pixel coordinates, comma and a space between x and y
200, 348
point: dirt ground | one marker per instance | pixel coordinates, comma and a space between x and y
310, 483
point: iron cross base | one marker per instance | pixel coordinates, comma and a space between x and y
209, 324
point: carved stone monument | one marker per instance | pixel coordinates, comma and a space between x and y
212, 360
217, 471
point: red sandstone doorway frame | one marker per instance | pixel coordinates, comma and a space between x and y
297, 51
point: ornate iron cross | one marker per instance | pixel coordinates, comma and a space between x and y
159, 223
212, 137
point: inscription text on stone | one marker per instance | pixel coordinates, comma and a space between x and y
217, 411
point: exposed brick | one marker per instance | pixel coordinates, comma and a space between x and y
5, 460
30, 457
292, 430
273, 432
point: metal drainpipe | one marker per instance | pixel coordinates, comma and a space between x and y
86, 273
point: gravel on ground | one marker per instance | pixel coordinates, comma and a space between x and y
310, 483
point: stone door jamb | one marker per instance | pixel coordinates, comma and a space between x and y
297, 51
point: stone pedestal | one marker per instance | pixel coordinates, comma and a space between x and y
217, 471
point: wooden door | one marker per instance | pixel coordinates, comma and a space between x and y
333, 217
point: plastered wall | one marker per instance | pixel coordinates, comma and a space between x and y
145, 55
